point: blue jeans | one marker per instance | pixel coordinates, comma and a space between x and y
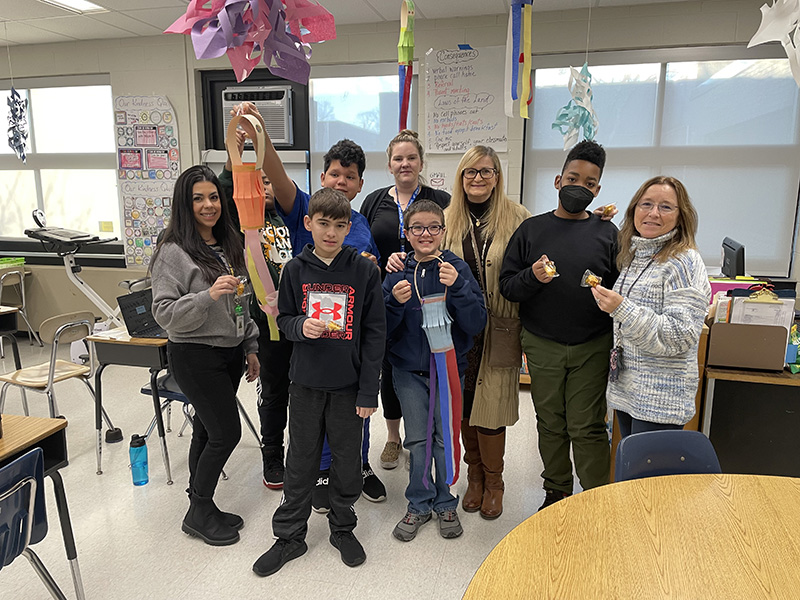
414, 393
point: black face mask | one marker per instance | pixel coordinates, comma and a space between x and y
575, 198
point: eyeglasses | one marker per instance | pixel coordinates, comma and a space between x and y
473, 173
664, 209
418, 230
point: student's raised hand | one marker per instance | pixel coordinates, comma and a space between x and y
402, 291
364, 412
253, 367
539, 271
607, 300
313, 328
447, 274
606, 212
225, 284
395, 263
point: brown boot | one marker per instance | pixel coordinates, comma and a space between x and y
492, 450
472, 456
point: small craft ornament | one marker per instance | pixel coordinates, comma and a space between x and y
445, 379
518, 56
780, 23
578, 113
17, 124
405, 59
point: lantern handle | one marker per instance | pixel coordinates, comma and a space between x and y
254, 127
416, 288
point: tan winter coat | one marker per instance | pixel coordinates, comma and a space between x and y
497, 390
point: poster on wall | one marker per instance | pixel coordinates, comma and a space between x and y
148, 163
463, 100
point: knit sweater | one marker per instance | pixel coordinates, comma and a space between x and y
183, 306
658, 327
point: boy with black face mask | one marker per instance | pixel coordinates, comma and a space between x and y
565, 336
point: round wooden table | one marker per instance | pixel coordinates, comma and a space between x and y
680, 536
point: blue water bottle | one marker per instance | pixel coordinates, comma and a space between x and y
138, 453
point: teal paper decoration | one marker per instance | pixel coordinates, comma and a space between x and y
578, 113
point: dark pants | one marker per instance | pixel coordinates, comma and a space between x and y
209, 377
273, 387
568, 386
312, 415
629, 425
391, 403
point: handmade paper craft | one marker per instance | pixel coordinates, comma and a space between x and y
578, 113
248, 194
780, 23
249, 31
444, 377
17, 123
405, 58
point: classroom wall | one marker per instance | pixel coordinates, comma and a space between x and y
166, 65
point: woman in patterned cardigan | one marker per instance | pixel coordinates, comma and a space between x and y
658, 305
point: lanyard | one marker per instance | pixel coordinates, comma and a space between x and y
402, 232
238, 309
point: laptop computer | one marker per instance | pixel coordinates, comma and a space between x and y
137, 312
57, 234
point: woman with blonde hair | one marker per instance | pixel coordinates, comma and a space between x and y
384, 209
658, 305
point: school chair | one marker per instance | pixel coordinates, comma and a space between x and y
667, 452
17, 278
23, 517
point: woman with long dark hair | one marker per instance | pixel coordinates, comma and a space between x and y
198, 274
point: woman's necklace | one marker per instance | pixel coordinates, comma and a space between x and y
477, 220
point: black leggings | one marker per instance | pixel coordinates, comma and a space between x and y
209, 377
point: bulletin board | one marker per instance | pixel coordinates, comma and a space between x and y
463, 100
148, 163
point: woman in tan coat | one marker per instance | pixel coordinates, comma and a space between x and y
480, 221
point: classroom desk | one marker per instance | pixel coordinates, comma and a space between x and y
679, 536
116, 347
8, 327
21, 434
753, 418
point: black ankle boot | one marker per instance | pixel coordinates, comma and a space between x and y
204, 521
230, 519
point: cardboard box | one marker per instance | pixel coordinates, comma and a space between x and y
743, 346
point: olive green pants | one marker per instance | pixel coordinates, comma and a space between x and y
568, 387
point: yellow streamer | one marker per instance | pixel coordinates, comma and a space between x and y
527, 15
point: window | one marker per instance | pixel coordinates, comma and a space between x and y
359, 104
71, 158
723, 121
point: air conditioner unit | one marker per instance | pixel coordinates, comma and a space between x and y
274, 102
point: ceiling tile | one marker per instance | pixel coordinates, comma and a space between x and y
22, 33
20, 10
127, 23
444, 9
160, 18
123, 5
80, 28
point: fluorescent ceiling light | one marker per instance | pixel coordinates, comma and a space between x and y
75, 6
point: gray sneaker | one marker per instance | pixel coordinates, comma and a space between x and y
449, 525
406, 529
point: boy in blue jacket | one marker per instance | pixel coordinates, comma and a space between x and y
428, 270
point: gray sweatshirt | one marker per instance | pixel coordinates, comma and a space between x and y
183, 306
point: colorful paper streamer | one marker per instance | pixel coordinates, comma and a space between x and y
518, 55
578, 113
279, 32
405, 59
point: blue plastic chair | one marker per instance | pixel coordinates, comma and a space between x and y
668, 452
23, 518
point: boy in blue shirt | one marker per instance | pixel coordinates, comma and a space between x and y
428, 270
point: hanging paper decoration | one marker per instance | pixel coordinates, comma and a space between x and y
279, 32
405, 59
248, 194
578, 113
444, 378
780, 23
518, 56
17, 123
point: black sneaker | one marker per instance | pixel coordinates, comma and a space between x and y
320, 500
373, 489
273, 467
281, 552
552, 496
349, 547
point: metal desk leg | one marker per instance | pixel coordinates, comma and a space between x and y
248, 422
17, 365
160, 421
66, 532
98, 415
708, 406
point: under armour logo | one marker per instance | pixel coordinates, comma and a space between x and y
334, 311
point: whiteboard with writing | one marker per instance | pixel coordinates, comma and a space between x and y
463, 100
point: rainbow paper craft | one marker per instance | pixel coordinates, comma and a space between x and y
405, 58
444, 378
518, 52
249, 31
248, 194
